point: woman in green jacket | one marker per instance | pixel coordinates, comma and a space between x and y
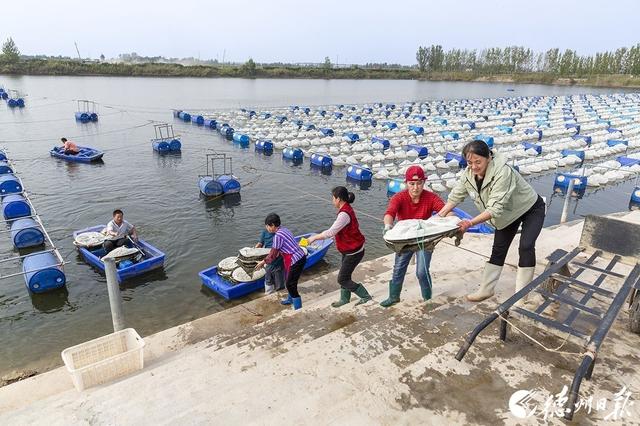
506, 201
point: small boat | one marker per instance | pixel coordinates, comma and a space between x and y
86, 154
152, 257
228, 290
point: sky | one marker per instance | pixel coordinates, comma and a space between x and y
346, 31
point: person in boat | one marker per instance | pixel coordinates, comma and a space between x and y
293, 256
117, 231
415, 202
274, 274
505, 200
69, 148
349, 242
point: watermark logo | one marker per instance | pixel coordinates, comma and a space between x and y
526, 403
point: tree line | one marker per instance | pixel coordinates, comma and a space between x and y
518, 59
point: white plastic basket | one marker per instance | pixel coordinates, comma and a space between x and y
105, 358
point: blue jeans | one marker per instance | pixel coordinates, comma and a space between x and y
274, 275
423, 261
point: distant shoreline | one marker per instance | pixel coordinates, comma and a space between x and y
76, 68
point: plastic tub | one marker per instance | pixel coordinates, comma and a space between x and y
105, 358
209, 187
42, 272
15, 206
26, 233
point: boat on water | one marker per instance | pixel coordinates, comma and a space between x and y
86, 154
230, 290
151, 258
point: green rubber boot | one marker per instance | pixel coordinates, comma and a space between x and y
345, 297
394, 295
363, 294
426, 292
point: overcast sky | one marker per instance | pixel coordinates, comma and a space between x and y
299, 31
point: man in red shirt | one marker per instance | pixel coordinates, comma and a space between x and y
412, 203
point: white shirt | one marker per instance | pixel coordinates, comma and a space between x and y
122, 231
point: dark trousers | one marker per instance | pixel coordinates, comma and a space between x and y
69, 152
293, 276
109, 245
349, 263
532, 222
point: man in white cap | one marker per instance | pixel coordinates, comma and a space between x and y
413, 203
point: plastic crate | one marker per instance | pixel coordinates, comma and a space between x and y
105, 358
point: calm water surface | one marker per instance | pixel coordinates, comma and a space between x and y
159, 194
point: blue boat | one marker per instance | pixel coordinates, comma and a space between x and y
228, 290
152, 259
86, 154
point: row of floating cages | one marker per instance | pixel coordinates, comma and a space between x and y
42, 270
165, 140
86, 111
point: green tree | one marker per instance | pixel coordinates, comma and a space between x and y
327, 65
10, 52
422, 56
249, 68
436, 58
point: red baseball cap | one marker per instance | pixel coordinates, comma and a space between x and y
414, 173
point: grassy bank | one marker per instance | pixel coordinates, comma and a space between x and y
67, 67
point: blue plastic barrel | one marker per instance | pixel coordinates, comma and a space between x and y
42, 272
458, 157
536, 132
175, 145
338, 115
528, 145
486, 139
385, 142
418, 130
184, 116
198, 119
327, 132
12, 103
20, 102
264, 145
612, 130
26, 233
209, 187
242, 140
176, 113
448, 134
585, 138
469, 125
227, 132
9, 184
309, 126
210, 123
440, 120
14, 206
5, 168
371, 121
265, 115
229, 184
3, 155
321, 160
322, 112
350, 136
82, 117
395, 185
359, 173
505, 129
421, 150
561, 183
482, 228
420, 117
4, 95
281, 118
627, 161
356, 118
294, 154
578, 153
93, 117
160, 145
571, 126
614, 142
390, 125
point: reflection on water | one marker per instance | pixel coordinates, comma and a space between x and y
52, 301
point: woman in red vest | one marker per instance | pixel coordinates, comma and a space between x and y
349, 242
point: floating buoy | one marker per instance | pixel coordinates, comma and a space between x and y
15, 206
294, 154
26, 233
42, 272
321, 160
264, 145
160, 145
210, 187
229, 184
9, 184
359, 173
5, 168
